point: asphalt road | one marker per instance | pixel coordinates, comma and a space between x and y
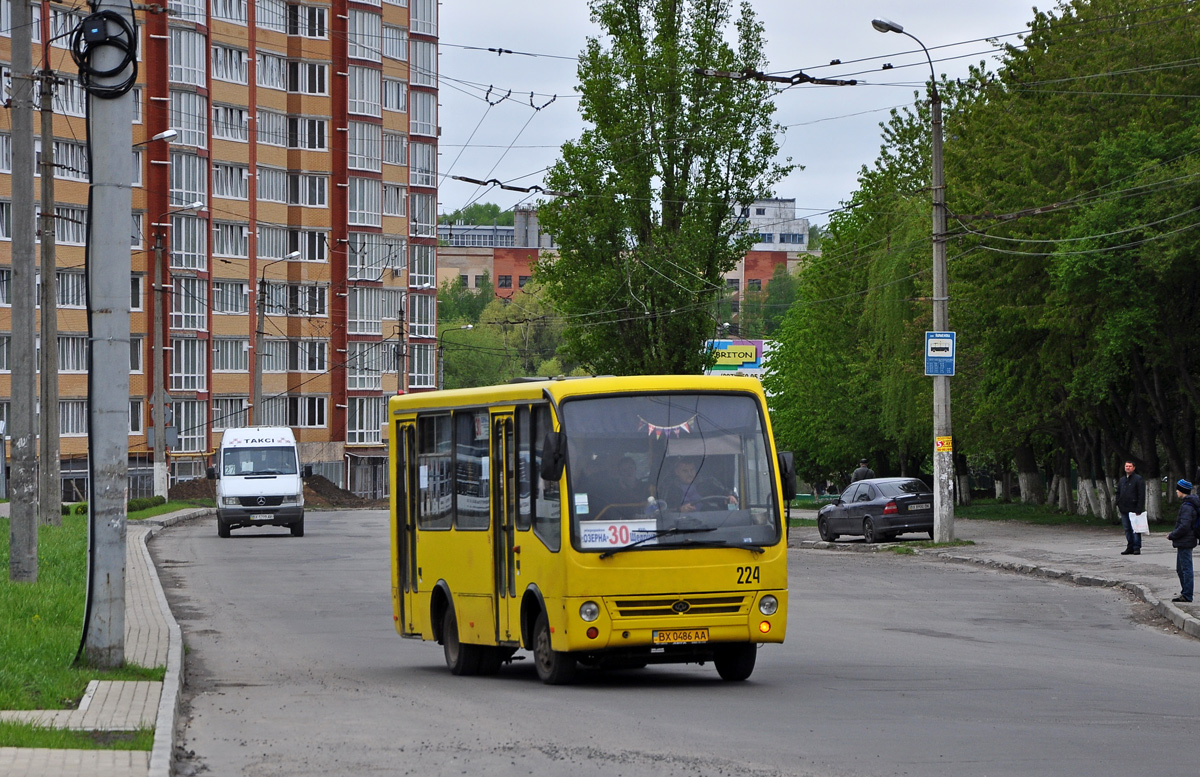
892, 666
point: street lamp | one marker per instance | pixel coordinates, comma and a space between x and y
260, 304
441, 353
943, 450
167, 135
159, 414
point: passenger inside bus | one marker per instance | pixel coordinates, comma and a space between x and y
686, 492
623, 493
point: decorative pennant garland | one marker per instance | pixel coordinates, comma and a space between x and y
670, 431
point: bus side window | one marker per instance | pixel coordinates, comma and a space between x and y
547, 514
525, 470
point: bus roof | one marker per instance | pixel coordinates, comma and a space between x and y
562, 388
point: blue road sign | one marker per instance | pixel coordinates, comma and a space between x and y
939, 353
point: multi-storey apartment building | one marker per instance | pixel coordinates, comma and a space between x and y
300, 187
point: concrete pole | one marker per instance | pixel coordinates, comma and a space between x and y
23, 561
108, 379
49, 481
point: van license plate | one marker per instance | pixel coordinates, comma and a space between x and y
679, 636
261, 517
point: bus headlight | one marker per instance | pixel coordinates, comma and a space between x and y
589, 611
768, 605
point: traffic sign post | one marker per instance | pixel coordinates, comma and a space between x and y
940, 349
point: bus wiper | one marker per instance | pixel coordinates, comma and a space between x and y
656, 535
757, 549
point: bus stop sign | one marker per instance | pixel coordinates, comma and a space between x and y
939, 353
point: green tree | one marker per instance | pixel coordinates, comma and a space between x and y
479, 213
657, 182
456, 302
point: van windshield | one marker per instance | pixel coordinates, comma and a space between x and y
259, 461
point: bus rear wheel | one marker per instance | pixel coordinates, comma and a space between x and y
461, 659
553, 667
735, 662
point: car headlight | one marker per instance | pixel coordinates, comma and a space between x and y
768, 605
290, 500
589, 611
229, 501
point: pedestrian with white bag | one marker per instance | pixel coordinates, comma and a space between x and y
1131, 501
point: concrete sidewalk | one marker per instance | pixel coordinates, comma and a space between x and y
1075, 554
152, 639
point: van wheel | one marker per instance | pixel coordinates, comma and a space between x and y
298, 528
553, 667
222, 529
461, 659
735, 662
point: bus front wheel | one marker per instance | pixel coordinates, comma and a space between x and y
735, 662
553, 667
461, 659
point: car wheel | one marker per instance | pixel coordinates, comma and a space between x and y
298, 528
222, 529
553, 667
461, 659
869, 533
823, 529
735, 662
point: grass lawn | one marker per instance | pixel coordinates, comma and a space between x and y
24, 735
41, 624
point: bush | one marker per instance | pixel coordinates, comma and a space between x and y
81, 508
145, 503
66, 509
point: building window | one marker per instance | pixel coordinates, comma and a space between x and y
423, 171
754, 284
365, 202
229, 413
230, 123
422, 266
297, 412
232, 240
503, 281
72, 353
306, 299
189, 364
364, 91
271, 72
231, 354
229, 10
189, 243
421, 315
72, 417
522, 280
189, 116
793, 238
364, 420
393, 200
422, 215
369, 254
364, 35
308, 21
189, 304
270, 15
307, 78
363, 146
274, 356
365, 310
423, 68
191, 418
395, 43
421, 366
305, 189
135, 416
310, 243
231, 181
70, 225
395, 148
70, 291
231, 297
424, 114
272, 242
395, 95
135, 293
189, 179
187, 52
135, 354
423, 16
229, 64
307, 355
306, 133
272, 185
364, 366
271, 128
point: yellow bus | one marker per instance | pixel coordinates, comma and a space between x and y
608, 522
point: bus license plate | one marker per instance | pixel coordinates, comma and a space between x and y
261, 517
679, 636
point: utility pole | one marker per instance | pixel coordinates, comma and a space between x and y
23, 561
260, 310
109, 36
49, 481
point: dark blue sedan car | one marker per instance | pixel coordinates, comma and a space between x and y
878, 509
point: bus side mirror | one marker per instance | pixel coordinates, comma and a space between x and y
212, 473
307, 471
787, 471
554, 456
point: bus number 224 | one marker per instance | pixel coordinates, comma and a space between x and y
747, 575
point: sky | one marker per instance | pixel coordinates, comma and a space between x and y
493, 127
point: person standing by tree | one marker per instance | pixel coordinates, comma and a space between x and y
863, 472
1131, 498
1183, 537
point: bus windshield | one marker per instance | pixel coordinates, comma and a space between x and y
669, 470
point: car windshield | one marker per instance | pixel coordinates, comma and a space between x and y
902, 487
259, 461
669, 470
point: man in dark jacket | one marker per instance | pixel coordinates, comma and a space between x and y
863, 472
1183, 537
1131, 498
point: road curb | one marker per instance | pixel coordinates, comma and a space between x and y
1185, 622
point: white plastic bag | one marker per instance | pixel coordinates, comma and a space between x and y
1139, 523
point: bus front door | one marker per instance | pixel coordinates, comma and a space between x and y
504, 511
407, 492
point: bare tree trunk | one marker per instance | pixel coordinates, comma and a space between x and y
963, 497
1105, 497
